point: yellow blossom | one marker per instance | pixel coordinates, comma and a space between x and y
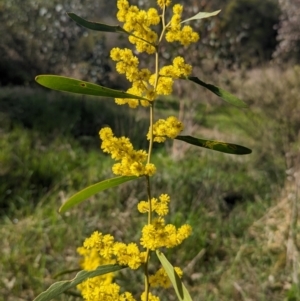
160, 278
138, 22
164, 198
162, 129
150, 297
158, 235
177, 9
127, 64
122, 4
160, 206
132, 161
106, 250
184, 35
152, 17
163, 3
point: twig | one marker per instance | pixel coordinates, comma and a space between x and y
188, 269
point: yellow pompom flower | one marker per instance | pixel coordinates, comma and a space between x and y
160, 278
184, 232
165, 86
188, 36
115, 54
143, 206
162, 209
160, 206
151, 235
91, 259
144, 74
122, 4
184, 35
150, 297
103, 249
128, 255
152, 17
132, 161
158, 235
162, 3
177, 9
126, 61
168, 71
126, 297
180, 68
127, 64
164, 198
162, 129
138, 23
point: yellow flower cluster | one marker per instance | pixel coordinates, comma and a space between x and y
99, 250
158, 235
132, 161
178, 69
159, 206
91, 260
167, 74
151, 297
184, 35
138, 23
162, 129
160, 278
162, 3
127, 64
97, 291
115, 252
142, 81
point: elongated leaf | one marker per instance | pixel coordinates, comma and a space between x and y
73, 294
66, 272
95, 25
181, 291
202, 16
219, 146
73, 85
220, 92
60, 287
93, 189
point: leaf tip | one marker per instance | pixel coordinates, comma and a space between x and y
61, 209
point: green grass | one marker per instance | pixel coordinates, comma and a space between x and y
50, 149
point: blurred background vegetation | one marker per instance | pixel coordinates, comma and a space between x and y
243, 210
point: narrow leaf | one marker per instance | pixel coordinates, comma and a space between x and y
66, 272
60, 287
201, 15
220, 92
95, 25
219, 146
181, 291
93, 189
73, 294
73, 85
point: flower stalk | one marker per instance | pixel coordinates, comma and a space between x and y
146, 86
